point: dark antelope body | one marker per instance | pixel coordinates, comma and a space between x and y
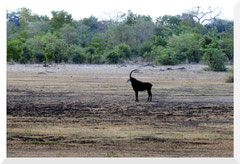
140, 86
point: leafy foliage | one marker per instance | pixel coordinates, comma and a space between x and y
54, 48
186, 46
168, 40
214, 56
59, 18
215, 59
113, 57
78, 56
165, 56
13, 50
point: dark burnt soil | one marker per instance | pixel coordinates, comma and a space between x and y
59, 114
27, 106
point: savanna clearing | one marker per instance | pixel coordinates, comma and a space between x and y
89, 111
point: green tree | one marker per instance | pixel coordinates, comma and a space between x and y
54, 48
123, 50
113, 57
213, 54
96, 59
91, 22
144, 29
25, 55
186, 46
121, 33
36, 45
167, 58
97, 43
168, 40
84, 33
159, 40
38, 28
69, 52
164, 56
59, 18
144, 47
13, 50
69, 34
78, 56
216, 59
25, 17
168, 25
130, 18
226, 45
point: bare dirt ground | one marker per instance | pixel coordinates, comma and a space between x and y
89, 111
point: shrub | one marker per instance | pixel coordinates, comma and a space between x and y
159, 41
167, 58
124, 50
181, 57
143, 48
96, 59
69, 52
92, 54
91, 50
49, 52
13, 50
156, 51
186, 46
164, 56
215, 59
36, 46
113, 57
54, 48
23, 60
148, 56
78, 56
65, 58
40, 57
230, 77
26, 55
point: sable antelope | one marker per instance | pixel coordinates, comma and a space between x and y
140, 86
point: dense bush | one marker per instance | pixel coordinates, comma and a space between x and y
113, 57
169, 40
78, 56
216, 59
69, 52
26, 55
40, 57
123, 50
144, 47
36, 46
54, 48
13, 50
167, 57
212, 54
186, 46
96, 59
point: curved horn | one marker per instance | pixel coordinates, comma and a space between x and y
132, 72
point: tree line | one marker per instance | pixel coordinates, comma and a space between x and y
167, 40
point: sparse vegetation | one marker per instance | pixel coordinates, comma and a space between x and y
230, 78
41, 142
77, 115
112, 154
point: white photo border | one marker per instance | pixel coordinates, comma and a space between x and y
3, 105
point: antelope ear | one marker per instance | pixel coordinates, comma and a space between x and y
128, 80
